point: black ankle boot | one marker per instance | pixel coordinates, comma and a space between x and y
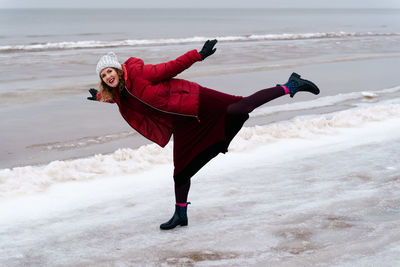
179, 218
296, 84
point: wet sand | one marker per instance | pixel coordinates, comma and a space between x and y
32, 130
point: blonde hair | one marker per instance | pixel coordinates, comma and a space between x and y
107, 91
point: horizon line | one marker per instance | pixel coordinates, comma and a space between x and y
116, 8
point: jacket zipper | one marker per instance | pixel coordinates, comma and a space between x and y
168, 112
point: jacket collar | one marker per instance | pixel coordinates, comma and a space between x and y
127, 81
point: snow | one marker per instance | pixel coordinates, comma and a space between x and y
327, 195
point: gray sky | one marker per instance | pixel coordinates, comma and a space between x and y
199, 3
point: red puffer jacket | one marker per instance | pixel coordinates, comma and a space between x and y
152, 96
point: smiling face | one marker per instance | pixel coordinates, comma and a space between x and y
110, 77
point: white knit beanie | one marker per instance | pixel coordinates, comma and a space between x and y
107, 61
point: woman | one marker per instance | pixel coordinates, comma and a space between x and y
202, 121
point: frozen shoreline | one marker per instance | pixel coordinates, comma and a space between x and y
31, 179
328, 199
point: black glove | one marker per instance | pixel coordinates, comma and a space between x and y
207, 49
93, 92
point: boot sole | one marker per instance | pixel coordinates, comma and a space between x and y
170, 228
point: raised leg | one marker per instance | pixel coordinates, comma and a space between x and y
249, 103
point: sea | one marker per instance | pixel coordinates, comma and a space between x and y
309, 180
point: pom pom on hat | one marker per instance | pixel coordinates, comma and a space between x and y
109, 60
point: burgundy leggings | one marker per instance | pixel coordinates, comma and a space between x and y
243, 106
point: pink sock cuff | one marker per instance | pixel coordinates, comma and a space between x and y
286, 89
181, 204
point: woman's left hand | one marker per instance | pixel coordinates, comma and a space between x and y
208, 49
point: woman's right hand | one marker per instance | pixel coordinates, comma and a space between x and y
93, 92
